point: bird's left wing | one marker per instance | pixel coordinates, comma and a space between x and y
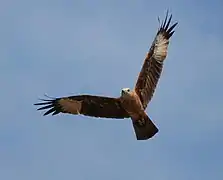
153, 63
88, 105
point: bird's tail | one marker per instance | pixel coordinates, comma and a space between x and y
144, 128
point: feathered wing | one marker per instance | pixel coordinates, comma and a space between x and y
153, 63
88, 105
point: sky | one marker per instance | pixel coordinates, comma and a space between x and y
64, 47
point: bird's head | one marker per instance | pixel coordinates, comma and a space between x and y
125, 91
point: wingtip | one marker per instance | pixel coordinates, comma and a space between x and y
167, 13
165, 26
46, 104
158, 20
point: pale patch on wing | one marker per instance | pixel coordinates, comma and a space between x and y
161, 45
70, 106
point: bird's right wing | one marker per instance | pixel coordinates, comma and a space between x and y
88, 105
153, 63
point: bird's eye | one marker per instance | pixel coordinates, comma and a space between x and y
128, 90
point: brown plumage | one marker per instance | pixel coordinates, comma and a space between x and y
153, 63
131, 103
88, 105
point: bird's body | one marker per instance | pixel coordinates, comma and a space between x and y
131, 103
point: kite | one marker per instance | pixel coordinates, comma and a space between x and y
131, 103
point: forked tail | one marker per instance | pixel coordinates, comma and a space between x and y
144, 128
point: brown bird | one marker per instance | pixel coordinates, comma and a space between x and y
131, 103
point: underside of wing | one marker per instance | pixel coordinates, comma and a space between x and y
153, 63
88, 105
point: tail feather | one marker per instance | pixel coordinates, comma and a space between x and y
146, 130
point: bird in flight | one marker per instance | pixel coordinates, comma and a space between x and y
131, 103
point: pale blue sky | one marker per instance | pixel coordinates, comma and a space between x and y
64, 47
